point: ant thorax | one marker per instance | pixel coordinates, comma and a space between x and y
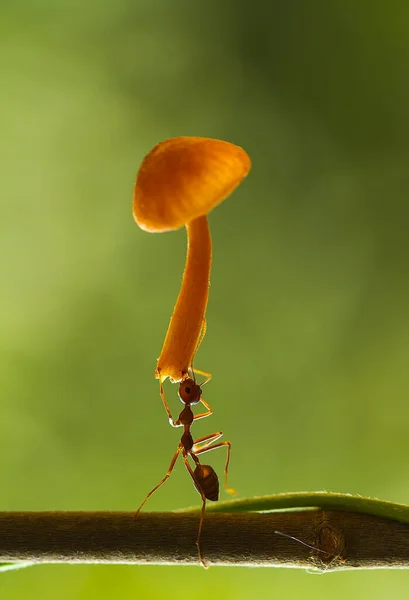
187, 441
186, 416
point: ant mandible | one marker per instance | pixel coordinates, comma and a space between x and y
204, 476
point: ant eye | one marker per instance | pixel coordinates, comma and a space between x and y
187, 390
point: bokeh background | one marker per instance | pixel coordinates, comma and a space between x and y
308, 328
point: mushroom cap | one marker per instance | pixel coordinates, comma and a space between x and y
184, 178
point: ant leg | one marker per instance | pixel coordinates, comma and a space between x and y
207, 448
205, 414
202, 334
202, 514
165, 403
162, 481
203, 374
205, 441
192, 370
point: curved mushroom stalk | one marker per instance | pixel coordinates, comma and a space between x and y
186, 323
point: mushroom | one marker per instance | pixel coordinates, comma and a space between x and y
178, 183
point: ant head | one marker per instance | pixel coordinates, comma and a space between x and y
189, 392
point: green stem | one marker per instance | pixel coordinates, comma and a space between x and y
323, 500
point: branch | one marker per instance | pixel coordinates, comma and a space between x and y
341, 539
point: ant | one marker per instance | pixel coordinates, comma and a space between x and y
204, 477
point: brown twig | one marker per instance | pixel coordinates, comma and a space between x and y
340, 539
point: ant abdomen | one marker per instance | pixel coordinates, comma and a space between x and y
208, 481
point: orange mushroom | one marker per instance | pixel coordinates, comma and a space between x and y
178, 183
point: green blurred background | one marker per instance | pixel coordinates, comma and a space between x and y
308, 329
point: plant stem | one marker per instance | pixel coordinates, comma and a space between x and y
340, 539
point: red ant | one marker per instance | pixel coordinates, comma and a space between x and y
204, 476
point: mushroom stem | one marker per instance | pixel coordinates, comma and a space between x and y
186, 322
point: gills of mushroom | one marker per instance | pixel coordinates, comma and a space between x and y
178, 183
